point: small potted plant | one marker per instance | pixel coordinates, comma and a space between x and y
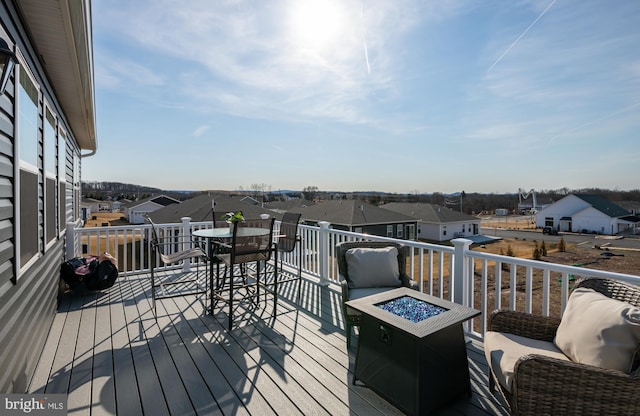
232, 218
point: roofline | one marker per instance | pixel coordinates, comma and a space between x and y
60, 31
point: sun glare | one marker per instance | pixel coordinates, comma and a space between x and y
317, 24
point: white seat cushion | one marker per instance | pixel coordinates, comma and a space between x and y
503, 351
599, 331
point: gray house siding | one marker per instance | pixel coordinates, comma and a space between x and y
28, 297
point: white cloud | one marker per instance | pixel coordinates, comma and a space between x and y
247, 54
200, 131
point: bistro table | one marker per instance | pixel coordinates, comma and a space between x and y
221, 237
411, 349
213, 233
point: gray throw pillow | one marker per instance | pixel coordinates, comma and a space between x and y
373, 267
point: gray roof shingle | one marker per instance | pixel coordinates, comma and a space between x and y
604, 205
198, 208
350, 213
429, 213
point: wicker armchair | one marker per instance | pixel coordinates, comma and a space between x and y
352, 317
550, 386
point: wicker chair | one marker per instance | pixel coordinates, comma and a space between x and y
550, 386
352, 317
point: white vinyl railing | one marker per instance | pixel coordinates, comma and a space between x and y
457, 273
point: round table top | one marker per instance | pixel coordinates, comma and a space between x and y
226, 232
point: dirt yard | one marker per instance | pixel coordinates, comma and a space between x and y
106, 219
615, 260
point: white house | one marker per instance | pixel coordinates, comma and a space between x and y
137, 211
437, 223
588, 214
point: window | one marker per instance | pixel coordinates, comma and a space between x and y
28, 176
76, 186
50, 186
62, 180
411, 232
400, 231
444, 230
390, 231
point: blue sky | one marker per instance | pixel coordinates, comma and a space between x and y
397, 96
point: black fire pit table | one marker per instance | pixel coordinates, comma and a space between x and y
411, 349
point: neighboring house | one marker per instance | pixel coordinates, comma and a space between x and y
47, 126
587, 214
436, 223
87, 207
288, 205
199, 209
250, 200
357, 216
116, 206
137, 211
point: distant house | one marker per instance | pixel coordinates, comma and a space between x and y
357, 216
288, 205
589, 214
87, 207
250, 200
116, 206
137, 211
437, 223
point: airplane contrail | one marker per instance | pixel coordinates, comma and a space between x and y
364, 38
520, 37
597, 120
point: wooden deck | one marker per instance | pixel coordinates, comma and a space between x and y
109, 354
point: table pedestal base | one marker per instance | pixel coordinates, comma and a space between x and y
417, 375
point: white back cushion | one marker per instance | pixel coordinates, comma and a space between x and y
599, 331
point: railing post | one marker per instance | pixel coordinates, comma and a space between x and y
186, 242
70, 240
323, 255
461, 278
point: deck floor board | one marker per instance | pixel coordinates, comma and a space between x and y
110, 354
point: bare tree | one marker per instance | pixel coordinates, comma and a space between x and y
310, 192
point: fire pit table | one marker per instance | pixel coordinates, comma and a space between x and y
411, 349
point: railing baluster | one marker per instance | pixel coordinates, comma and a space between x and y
498, 288
545, 292
528, 289
484, 277
513, 289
